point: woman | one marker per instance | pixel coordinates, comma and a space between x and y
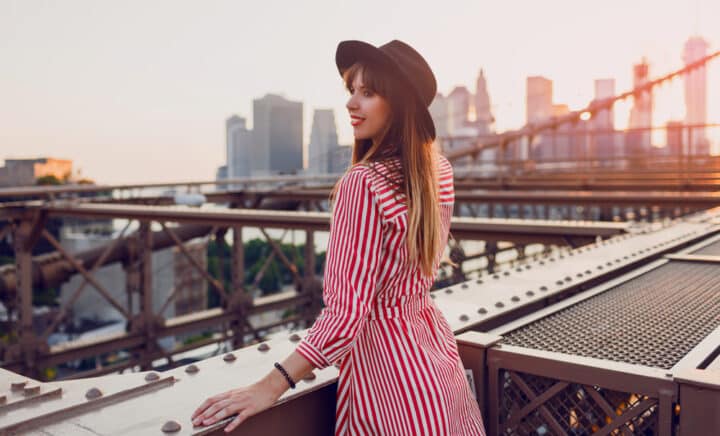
400, 372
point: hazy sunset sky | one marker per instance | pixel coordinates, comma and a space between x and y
138, 91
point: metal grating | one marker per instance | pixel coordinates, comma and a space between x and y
534, 405
710, 250
653, 320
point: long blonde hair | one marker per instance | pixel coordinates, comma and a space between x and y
407, 137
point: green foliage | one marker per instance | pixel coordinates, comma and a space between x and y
48, 180
197, 338
45, 296
256, 252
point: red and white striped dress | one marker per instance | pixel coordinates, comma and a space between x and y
400, 372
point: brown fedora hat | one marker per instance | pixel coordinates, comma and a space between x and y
398, 57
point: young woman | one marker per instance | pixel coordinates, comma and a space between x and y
400, 372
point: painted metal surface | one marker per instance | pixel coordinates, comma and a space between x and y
492, 296
142, 410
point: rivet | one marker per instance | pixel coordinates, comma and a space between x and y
499, 304
432, 296
229, 357
515, 298
294, 337
17, 386
506, 273
587, 271
151, 376
171, 427
559, 282
464, 317
568, 279
482, 311
311, 376
668, 374
191, 369
528, 266
579, 275
529, 293
464, 286
93, 393
479, 282
263, 347
543, 288
448, 291
495, 276
31, 390
542, 263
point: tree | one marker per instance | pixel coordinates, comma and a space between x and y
48, 180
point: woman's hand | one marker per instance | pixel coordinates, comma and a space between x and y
244, 401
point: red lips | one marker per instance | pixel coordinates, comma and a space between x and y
356, 120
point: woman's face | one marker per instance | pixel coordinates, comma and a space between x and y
369, 112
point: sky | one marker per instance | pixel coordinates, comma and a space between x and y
138, 91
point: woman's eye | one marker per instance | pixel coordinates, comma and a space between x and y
367, 94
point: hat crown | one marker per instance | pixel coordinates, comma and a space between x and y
399, 56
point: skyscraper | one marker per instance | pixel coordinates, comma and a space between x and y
458, 109
439, 113
323, 141
483, 114
539, 99
239, 142
696, 95
277, 136
603, 122
638, 142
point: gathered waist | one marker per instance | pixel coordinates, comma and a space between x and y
401, 307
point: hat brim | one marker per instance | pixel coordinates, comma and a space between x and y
351, 52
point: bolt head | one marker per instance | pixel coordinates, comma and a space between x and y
171, 427
93, 393
151, 376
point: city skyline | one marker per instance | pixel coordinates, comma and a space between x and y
111, 99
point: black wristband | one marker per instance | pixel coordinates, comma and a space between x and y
285, 374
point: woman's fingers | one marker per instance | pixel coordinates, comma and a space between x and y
209, 402
216, 412
242, 416
209, 413
223, 409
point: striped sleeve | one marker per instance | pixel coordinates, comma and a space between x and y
446, 185
351, 271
